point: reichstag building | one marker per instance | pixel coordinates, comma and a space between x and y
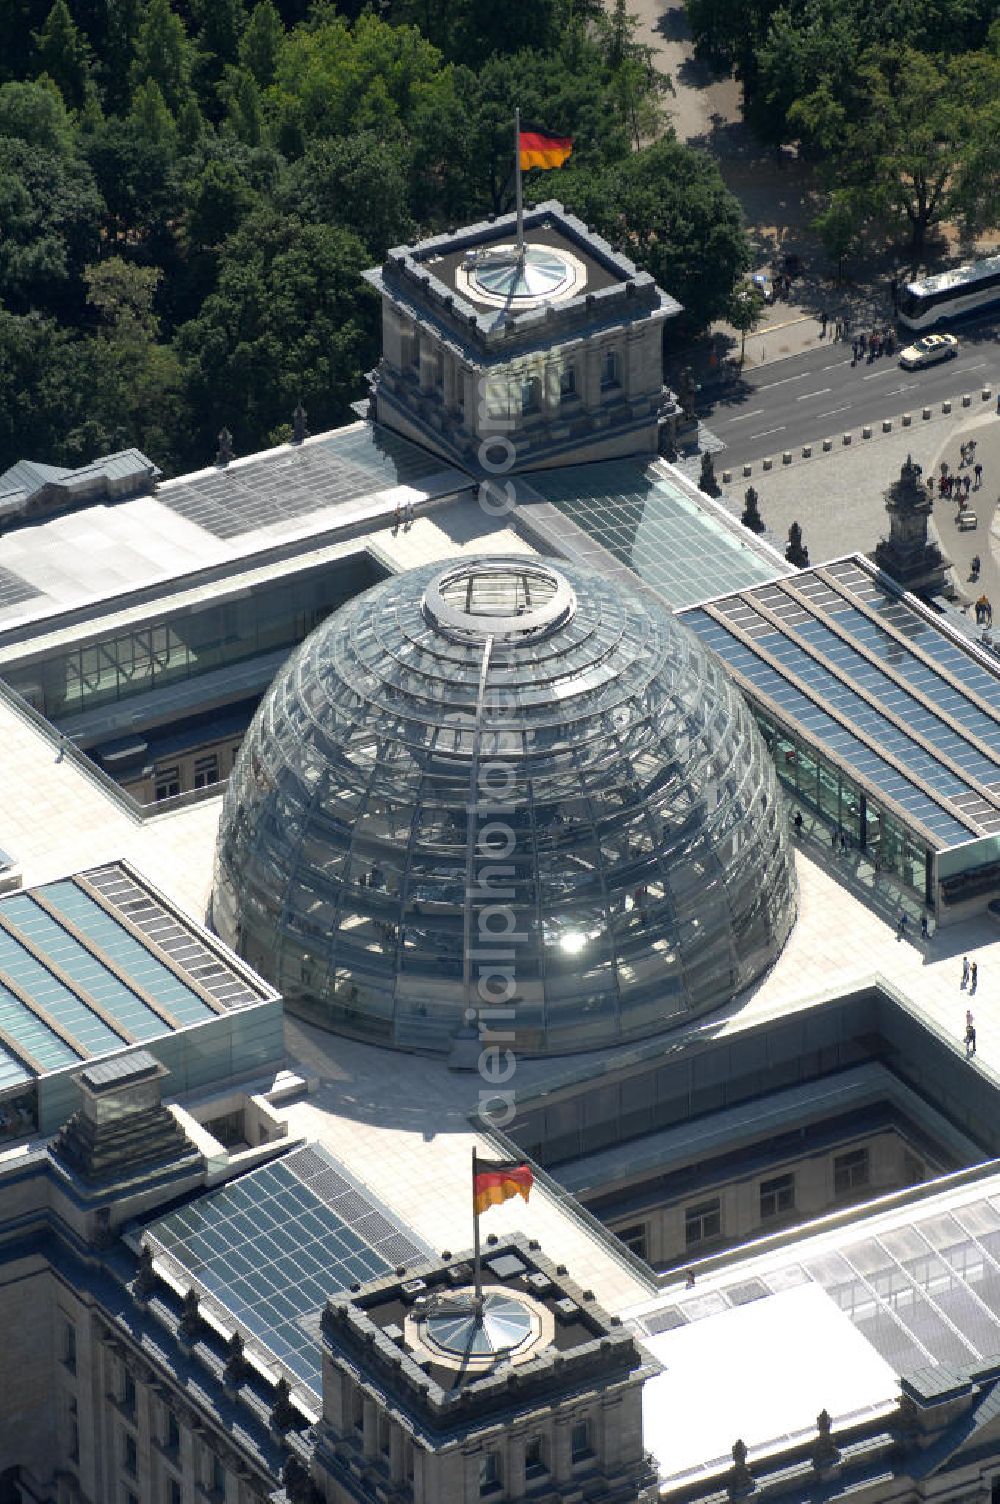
359, 832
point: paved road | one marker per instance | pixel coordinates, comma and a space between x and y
810, 397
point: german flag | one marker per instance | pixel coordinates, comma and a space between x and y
496, 1180
540, 150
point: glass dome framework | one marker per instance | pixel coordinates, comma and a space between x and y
504, 745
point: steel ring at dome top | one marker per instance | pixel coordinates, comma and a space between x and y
492, 583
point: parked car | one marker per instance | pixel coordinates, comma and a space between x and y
927, 351
762, 282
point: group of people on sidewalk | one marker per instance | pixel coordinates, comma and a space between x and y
970, 980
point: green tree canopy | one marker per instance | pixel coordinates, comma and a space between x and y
285, 321
63, 54
669, 210
163, 54
50, 210
35, 113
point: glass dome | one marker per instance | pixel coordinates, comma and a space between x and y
504, 793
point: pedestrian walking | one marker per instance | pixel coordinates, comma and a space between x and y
924, 934
901, 926
797, 822
822, 320
973, 976
397, 519
834, 839
978, 472
967, 484
970, 1034
965, 971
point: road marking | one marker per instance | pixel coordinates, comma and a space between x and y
766, 387
769, 430
744, 416
821, 393
835, 365
874, 374
834, 410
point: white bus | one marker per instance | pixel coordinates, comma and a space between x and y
966, 289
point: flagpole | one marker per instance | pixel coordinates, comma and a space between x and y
517, 180
477, 1266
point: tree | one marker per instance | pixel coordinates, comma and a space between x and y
40, 393
906, 152
751, 517
35, 113
362, 181
839, 226
668, 208
289, 318
134, 382
261, 43
744, 312
51, 212
163, 54
63, 55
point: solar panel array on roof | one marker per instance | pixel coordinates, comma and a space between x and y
685, 551
844, 661
137, 904
345, 466
271, 1248
77, 984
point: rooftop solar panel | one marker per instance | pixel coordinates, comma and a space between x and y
137, 904
273, 1246
181, 1002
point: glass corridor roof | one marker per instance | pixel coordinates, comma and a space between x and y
837, 656
687, 549
641, 839
271, 1248
93, 964
924, 1293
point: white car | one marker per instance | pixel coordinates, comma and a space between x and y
927, 351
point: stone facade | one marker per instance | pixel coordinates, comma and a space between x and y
553, 382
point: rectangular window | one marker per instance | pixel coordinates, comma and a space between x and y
73, 1432
206, 770
611, 370
580, 1442
850, 1171
130, 1497
531, 395
567, 383
218, 1478
130, 1455
128, 1395
173, 1491
534, 1457
777, 1196
489, 1473
634, 1238
69, 1346
702, 1222
168, 783
172, 1434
